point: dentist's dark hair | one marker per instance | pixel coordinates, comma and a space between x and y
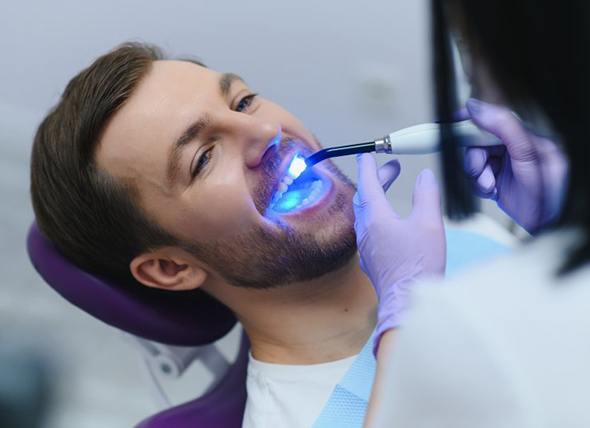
93, 219
538, 54
459, 200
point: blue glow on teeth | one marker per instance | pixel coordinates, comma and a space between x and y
300, 187
289, 201
298, 195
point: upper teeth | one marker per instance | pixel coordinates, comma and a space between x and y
283, 186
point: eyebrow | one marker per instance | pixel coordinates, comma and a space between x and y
194, 129
225, 82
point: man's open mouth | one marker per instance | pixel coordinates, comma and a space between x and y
303, 192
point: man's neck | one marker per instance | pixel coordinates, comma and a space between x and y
323, 320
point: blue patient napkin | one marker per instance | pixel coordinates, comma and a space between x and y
347, 405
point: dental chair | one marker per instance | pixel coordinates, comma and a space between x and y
171, 331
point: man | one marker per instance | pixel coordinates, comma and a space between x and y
170, 176
172, 173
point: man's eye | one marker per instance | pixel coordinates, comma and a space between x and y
245, 103
202, 162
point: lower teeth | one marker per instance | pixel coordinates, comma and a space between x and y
283, 204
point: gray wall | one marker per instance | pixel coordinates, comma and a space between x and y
350, 70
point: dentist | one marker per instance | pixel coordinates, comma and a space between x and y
505, 345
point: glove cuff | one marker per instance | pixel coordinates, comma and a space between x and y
391, 311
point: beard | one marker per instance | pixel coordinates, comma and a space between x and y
263, 258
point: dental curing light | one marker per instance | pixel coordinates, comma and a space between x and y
415, 140
297, 166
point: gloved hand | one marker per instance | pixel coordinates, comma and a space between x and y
396, 251
526, 176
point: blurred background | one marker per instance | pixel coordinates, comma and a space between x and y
349, 70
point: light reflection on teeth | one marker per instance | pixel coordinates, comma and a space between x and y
291, 201
295, 193
315, 189
283, 186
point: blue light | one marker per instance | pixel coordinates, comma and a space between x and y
297, 166
288, 202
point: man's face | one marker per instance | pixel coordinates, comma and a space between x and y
209, 159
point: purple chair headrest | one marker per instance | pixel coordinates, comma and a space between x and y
182, 319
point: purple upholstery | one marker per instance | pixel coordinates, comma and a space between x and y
163, 317
223, 407
183, 320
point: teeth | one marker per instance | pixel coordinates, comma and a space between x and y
316, 188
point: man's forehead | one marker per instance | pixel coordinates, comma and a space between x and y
183, 79
183, 70
162, 101
180, 63
169, 88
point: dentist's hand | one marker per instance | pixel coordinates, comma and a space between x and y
395, 251
526, 176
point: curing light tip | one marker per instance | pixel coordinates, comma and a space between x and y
297, 166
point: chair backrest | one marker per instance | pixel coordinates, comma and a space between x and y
173, 319
223, 407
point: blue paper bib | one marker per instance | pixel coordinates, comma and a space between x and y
347, 405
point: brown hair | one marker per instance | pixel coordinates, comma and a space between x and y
93, 219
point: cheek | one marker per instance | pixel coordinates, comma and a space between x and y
218, 211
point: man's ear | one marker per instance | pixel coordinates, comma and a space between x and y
168, 269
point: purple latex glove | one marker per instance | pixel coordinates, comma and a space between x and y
396, 251
527, 176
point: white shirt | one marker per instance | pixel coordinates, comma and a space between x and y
504, 345
289, 396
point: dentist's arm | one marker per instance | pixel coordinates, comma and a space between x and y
442, 369
527, 176
395, 253
434, 370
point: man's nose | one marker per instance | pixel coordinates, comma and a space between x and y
257, 137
